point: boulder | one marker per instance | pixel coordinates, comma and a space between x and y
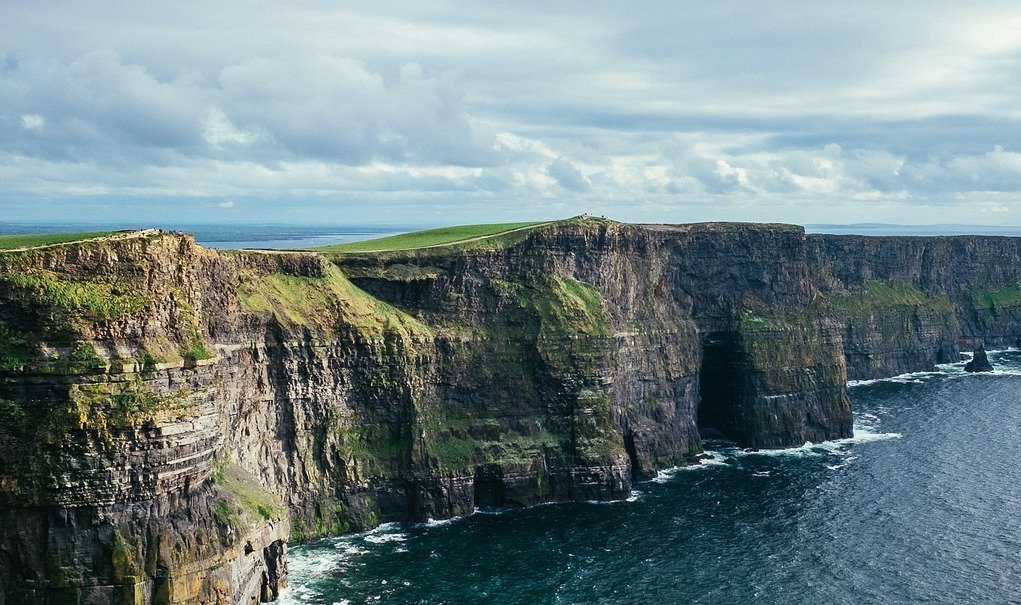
979, 362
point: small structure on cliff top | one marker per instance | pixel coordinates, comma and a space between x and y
979, 361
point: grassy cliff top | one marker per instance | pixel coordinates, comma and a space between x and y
433, 238
32, 240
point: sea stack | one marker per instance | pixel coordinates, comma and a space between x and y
979, 362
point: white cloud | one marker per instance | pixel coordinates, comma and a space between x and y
32, 121
219, 131
797, 105
227, 204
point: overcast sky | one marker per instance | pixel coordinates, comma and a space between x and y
445, 112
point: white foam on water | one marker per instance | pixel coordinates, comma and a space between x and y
440, 522
351, 549
664, 475
808, 449
712, 458
387, 532
863, 383
862, 434
315, 563
490, 511
385, 538
866, 434
908, 378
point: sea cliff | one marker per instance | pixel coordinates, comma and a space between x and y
172, 417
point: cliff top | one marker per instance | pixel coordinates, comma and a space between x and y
487, 235
35, 240
434, 238
427, 242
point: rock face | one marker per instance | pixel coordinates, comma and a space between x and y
172, 417
979, 361
907, 303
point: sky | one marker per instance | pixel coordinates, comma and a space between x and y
438, 112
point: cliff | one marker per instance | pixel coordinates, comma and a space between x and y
171, 417
908, 303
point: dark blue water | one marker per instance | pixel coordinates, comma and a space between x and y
923, 505
233, 236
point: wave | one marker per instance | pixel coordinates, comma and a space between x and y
387, 532
862, 434
951, 370
907, 378
710, 458
441, 522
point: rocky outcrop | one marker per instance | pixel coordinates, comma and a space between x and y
908, 303
979, 362
172, 417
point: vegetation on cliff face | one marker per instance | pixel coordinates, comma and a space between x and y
105, 407
881, 296
324, 305
997, 298
82, 299
15, 348
329, 517
567, 306
241, 492
456, 440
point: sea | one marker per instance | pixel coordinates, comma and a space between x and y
922, 505
235, 236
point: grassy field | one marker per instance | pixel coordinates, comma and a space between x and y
11, 242
432, 237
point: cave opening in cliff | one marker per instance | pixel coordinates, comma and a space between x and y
632, 454
488, 485
720, 381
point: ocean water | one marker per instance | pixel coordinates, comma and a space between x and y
923, 505
274, 237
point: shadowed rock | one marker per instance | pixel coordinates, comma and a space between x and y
979, 362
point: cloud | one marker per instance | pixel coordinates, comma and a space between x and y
32, 121
336, 109
227, 204
742, 109
568, 176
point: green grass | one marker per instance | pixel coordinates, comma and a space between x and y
96, 299
255, 499
1004, 296
567, 307
432, 237
11, 242
885, 296
319, 303
111, 406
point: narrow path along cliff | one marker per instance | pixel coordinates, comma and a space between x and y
172, 417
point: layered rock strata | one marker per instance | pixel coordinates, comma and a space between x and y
172, 417
908, 303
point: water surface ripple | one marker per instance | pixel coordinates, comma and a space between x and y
921, 506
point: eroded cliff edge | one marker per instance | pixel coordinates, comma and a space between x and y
171, 416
